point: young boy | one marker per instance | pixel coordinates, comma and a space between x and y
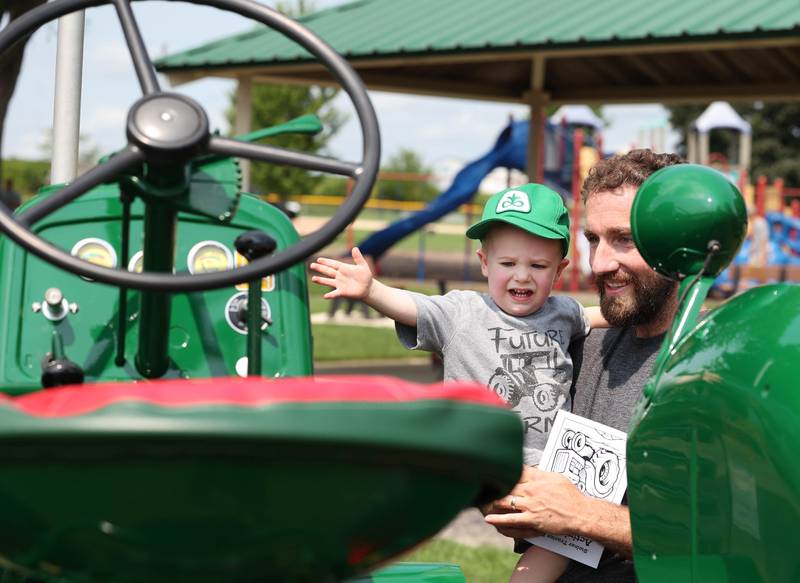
514, 339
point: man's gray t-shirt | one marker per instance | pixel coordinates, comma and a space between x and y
524, 360
613, 369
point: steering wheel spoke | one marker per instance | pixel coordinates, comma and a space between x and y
167, 131
141, 59
100, 174
264, 153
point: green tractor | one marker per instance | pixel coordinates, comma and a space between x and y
154, 428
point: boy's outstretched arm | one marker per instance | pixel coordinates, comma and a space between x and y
596, 319
356, 282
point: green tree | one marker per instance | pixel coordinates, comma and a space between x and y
776, 137
275, 104
28, 176
776, 141
404, 177
11, 59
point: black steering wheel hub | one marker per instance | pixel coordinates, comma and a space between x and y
168, 127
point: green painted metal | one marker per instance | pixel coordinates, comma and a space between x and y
381, 28
254, 328
712, 485
305, 124
679, 211
325, 490
200, 341
415, 573
712, 470
158, 240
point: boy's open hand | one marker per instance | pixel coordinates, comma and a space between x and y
347, 280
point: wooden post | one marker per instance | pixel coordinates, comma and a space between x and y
244, 122
537, 100
778, 185
577, 146
761, 195
351, 237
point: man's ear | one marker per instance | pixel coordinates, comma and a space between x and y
484, 261
561, 266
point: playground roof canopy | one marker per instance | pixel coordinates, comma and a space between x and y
582, 51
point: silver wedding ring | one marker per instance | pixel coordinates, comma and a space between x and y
514, 503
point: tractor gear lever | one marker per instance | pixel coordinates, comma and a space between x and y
253, 245
57, 369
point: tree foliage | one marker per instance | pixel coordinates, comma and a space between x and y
28, 176
275, 104
11, 60
776, 137
405, 179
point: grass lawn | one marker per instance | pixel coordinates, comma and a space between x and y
433, 241
332, 342
480, 564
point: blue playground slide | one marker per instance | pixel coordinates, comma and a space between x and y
508, 151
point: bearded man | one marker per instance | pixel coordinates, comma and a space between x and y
639, 304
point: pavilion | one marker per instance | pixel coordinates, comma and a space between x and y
536, 52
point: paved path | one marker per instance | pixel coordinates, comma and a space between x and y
469, 529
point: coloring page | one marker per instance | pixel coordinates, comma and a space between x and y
592, 456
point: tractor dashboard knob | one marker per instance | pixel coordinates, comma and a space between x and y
60, 372
253, 245
57, 369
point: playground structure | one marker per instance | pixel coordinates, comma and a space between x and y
771, 251
570, 150
568, 153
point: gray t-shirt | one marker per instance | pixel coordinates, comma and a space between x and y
612, 370
524, 360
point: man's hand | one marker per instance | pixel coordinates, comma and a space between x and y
543, 502
548, 503
347, 280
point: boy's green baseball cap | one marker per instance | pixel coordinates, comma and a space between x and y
531, 207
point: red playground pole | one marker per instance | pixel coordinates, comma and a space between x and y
778, 184
761, 196
577, 146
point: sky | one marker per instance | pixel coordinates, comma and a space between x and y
444, 132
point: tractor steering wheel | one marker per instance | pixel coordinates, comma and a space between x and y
169, 128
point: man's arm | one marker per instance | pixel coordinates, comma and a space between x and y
355, 281
546, 502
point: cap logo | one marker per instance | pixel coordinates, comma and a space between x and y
513, 200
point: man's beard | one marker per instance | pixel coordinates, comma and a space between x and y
647, 304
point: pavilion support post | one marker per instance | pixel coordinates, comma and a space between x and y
745, 145
691, 147
537, 99
244, 121
703, 147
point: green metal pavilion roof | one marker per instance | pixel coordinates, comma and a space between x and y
568, 50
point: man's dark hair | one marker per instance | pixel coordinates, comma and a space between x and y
625, 169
